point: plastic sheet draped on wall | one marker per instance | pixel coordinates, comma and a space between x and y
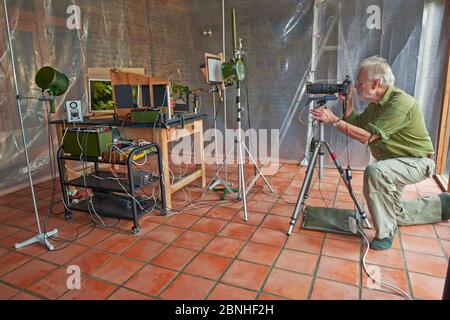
166, 37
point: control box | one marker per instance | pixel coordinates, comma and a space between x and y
87, 142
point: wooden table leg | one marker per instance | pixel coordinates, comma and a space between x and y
200, 150
162, 140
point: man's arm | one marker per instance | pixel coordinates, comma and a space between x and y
354, 132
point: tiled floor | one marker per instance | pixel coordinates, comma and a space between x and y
208, 252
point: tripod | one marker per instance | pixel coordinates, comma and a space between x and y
242, 189
317, 148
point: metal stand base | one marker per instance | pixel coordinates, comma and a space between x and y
243, 190
217, 182
42, 238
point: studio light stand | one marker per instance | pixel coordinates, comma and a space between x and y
236, 68
317, 148
217, 180
40, 237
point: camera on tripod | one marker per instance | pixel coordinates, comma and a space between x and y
330, 88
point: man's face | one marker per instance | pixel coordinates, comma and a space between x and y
366, 88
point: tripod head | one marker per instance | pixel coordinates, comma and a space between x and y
321, 101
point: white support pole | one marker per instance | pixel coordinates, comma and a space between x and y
41, 237
312, 76
224, 91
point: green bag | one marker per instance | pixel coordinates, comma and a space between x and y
332, 220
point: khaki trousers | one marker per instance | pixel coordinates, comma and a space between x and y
384, 182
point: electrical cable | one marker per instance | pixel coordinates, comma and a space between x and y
118, 179
84, 164
372, 277
162, 105
217, 112
52, 200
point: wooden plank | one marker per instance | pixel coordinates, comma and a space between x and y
120, 76
161, 140
442, 183
185, 181
104, 73
199, 150
444, 131
176, 134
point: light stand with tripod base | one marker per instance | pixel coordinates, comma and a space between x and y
234, 71
317, 148
55, 84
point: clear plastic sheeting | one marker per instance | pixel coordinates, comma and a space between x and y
168, 38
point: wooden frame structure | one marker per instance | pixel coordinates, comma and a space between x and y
444, 129
120, 77
217, 57
104, 74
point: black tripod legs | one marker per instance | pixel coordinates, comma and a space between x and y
304, 191
348, 185
305, 187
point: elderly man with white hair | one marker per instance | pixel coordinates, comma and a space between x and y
393, 126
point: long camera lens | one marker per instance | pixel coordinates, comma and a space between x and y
329, 88
322, 88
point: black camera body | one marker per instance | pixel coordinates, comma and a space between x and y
330, 88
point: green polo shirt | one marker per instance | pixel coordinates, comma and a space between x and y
398, 120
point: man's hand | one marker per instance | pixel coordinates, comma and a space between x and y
349, 100
324, 115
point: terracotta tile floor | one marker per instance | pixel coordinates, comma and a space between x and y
209, 252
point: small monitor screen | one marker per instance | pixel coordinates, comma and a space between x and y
101, 97
124, 95
214, 70
160, 98
146, 96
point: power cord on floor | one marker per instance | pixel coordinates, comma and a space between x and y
403, 293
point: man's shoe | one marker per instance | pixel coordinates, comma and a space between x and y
445, 203
381, 244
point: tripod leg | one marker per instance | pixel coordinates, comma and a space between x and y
260, 174
314, 144
242, 187
304, 190
348, 185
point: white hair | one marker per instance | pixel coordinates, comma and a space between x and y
378, 69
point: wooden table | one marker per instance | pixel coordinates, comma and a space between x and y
162, 134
